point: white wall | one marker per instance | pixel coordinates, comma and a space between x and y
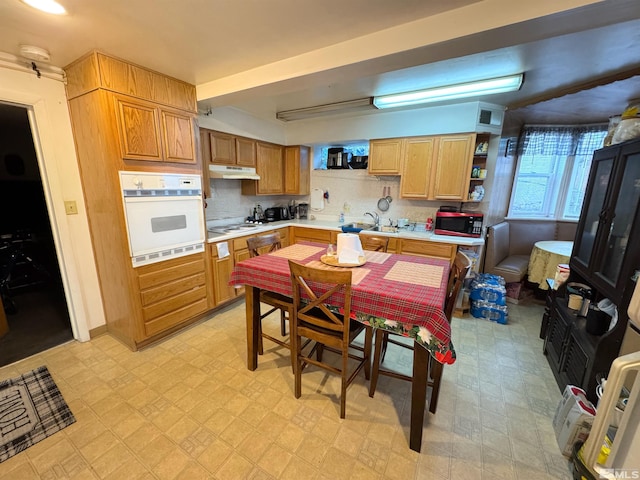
237, 122
430, 120
61, 178
434, 120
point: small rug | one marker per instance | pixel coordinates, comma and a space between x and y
31, 409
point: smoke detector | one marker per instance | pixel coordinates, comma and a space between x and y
35, 53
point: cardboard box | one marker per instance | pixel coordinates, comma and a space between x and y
517, 293
573, 418
568, 396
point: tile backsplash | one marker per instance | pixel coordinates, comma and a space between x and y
227, 200
352, 192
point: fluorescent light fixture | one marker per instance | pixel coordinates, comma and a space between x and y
451, 92
348, 106
48, 6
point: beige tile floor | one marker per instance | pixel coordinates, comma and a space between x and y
188, 408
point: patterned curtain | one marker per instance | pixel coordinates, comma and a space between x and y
560, 140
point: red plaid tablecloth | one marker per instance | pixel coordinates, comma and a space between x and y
406, 305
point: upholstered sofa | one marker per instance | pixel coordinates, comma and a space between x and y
509, 245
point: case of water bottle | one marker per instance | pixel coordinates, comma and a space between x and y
489, 298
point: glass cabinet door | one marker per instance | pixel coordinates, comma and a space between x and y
594, 206
626, 203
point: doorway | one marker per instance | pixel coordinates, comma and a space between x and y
31, 285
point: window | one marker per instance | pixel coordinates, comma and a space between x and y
553, 170
355, 149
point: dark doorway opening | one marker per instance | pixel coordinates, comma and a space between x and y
30, 282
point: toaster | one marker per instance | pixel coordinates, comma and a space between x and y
271, 214
283, 213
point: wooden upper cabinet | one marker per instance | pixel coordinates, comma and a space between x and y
178, 137
297, 170
155, 114
124, 77
149, 132
97, 70
270, 167
223, 148
437, 167
452, 167
417, 165
245, 152
385, 156
139, 127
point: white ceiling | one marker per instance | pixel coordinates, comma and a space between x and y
264, 56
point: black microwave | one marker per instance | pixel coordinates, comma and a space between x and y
459, 224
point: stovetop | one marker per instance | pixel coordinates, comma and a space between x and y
235, 227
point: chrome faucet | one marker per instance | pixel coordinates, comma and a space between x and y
375, 216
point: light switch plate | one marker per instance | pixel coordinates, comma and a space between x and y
71, 207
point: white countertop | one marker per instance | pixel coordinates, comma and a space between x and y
332, 225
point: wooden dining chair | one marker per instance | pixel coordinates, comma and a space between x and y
373, 243
457, 274
263, 244
312, 319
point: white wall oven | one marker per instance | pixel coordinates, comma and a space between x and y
164, 215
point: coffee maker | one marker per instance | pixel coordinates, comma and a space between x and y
303, 209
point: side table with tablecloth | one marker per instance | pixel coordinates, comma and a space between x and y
545, 258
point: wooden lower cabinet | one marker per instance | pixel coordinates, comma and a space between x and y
221, 270
241, 252
284, 236
172, 292
222, 267
426, 248
299, 234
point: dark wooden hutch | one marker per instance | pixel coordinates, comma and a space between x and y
606, 256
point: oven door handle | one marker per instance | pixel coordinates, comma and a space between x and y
160, 199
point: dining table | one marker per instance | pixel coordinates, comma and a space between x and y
545, 257
402, 294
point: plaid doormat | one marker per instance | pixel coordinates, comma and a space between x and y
31, 409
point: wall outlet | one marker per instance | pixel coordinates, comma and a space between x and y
346, 207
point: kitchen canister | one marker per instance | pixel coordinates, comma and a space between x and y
578, 293
575, 301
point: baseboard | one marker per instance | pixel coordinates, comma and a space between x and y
96, 332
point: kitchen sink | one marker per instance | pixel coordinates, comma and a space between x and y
383, 228
370, 227
360, 225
